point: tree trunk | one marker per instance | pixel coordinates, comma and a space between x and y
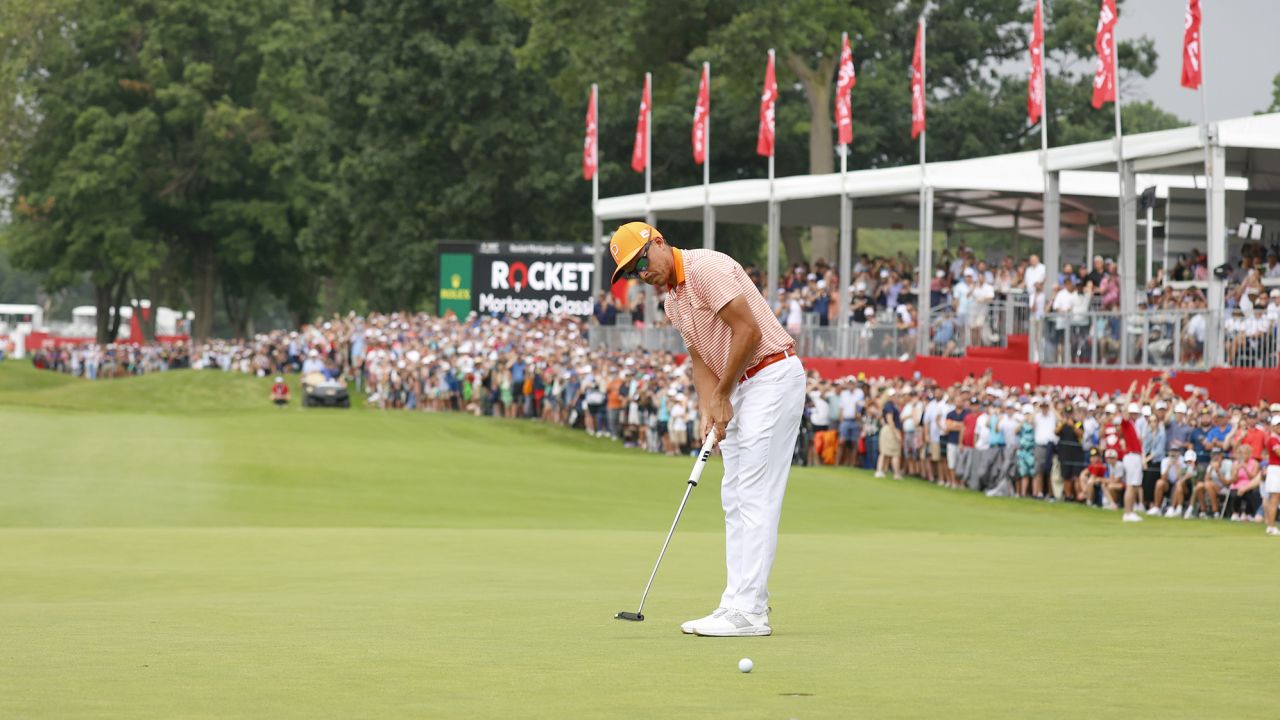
117, 301
204, 281
791, 243
817, 90
239, 311
102, 303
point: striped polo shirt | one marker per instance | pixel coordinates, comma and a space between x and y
706, 281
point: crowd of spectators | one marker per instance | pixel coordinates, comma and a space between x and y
93, 362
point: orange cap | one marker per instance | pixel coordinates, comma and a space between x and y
627, 242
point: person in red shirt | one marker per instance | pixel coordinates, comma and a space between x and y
280, 392
1272, 483
967, 439
1131, 458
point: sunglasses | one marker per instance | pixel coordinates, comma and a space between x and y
641, 264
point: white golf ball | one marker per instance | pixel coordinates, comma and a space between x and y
745, 665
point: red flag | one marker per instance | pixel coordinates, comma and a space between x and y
1191, 47
590, 147
701, 112
917, 84
768, 98
1104, 77
1035, 88
845, 80
640, 152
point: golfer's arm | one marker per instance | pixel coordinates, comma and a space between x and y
746, 337
704, 381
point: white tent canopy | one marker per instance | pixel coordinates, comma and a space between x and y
1077, 189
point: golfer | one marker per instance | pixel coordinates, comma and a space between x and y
750, 393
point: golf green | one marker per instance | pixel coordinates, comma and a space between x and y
170, 546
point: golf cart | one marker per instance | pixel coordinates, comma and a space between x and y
319, 391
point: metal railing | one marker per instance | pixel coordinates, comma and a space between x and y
859, 340
983, 325
1159, 339
1251, 339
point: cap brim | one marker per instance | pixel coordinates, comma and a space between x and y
625, 262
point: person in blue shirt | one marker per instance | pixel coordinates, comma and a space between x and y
1218, 433
1198, 438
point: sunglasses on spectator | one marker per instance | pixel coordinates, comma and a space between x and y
641, 264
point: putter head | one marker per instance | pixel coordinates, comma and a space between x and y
633, 617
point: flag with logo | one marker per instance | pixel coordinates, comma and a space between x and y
1035, 87
1104, 76
590, 156
768, 99
701, 113
1191, 71
845, 80
917, 84
640, 152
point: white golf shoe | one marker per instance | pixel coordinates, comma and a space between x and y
735, 623
1131, 517
687, 627
1273, 530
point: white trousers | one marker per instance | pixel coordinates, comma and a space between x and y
757, 449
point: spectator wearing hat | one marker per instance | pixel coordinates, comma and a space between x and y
280, 392
890, 445
1179, 475
1045, 421
1214, 482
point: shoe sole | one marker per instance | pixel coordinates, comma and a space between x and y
745, 632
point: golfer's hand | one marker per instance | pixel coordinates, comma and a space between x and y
719, 413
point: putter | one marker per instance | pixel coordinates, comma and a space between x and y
698, 465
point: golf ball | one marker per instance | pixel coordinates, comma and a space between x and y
745, 665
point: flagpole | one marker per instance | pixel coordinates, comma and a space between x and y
597, 250
1044, 101
1208, 162
846, 225
650, 302
771, 217
1127, 244
708, 218
648, 147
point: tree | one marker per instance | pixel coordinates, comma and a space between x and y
976, 78
81, 173
1275, 94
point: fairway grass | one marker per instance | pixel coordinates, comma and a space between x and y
172, 547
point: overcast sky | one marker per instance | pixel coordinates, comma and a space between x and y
1241, 55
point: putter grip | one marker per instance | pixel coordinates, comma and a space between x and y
703, 455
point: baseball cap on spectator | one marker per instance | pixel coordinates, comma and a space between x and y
627, 242
1275, 419
1189, 456
1146, 411
1180, 408
1275, 407
1161, 405
1110, 408
1134, 408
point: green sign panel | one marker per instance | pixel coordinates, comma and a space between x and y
455, 284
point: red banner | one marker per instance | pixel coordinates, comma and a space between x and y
1104, 77
701, 114
917, 84
640, 152
590, 146
845, 80
768, 98
1035, 88
1191, 69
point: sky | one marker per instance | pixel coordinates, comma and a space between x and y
1241, 55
